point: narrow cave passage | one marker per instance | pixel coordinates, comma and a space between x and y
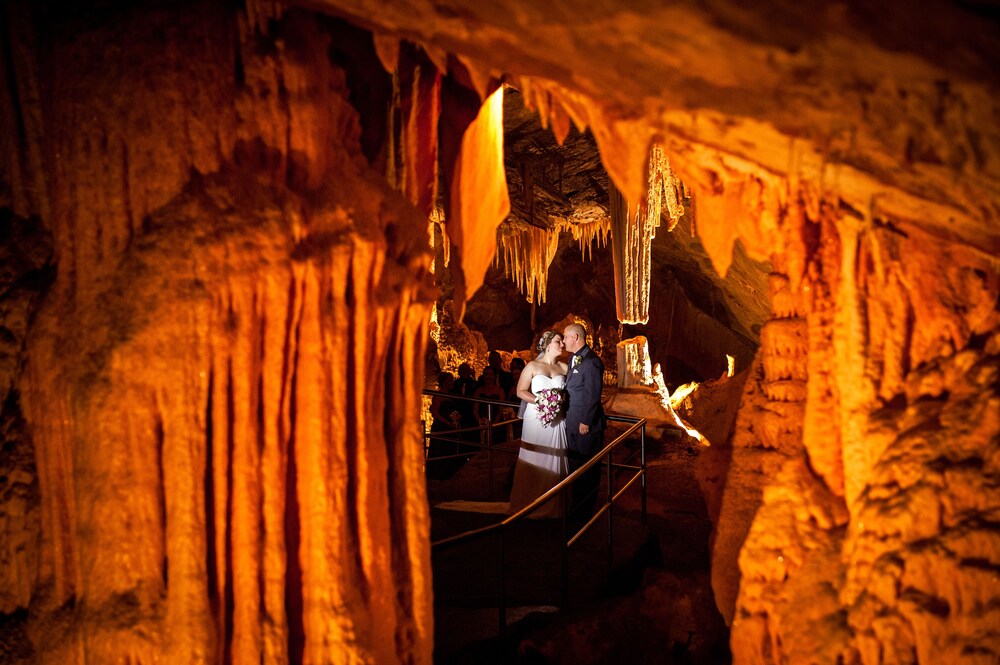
555, 264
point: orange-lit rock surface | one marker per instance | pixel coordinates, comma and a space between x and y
858, 153
221, 386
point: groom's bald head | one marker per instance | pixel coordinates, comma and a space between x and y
574, 337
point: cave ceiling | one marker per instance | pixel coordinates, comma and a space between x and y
891, 111
550, 183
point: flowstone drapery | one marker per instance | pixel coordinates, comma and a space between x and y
223, 384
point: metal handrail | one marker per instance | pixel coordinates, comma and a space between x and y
638, 425
556, 489
487, 429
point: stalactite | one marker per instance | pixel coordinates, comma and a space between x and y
587, 234
527, 252
820, 430
633, 229
624, 143
419, 97
478, 199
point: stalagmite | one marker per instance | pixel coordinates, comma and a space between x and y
634, 366
440, 243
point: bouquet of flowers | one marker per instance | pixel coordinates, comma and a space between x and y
550, 403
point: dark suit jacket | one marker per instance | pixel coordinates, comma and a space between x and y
583, 385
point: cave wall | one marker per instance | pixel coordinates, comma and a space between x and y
222, 384
859, 494
25, 275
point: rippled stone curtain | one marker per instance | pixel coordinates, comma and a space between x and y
223, 384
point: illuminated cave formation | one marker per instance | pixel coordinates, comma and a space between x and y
216, 308
557, 185
527, 253
633, 227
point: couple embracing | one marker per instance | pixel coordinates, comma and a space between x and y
556, 441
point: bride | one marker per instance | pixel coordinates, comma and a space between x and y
541, 462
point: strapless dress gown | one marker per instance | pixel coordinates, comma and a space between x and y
541, 462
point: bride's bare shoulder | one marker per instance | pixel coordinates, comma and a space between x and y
531, 368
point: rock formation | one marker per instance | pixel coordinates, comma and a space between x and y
221, 385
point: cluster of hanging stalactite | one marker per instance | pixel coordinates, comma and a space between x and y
587, 234
527, 252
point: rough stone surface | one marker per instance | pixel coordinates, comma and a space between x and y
24, 277
222, 384
19, 511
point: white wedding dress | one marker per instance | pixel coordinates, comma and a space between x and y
541, 463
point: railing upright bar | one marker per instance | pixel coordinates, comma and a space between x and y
642, 463
564, 559
489, 448
611, 511
502, 610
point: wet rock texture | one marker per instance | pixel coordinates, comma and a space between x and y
221, 386
858, 154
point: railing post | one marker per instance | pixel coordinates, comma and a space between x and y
489, 445
502, 609
642, 464
611, 510
564, 560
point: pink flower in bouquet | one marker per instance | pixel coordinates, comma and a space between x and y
550, 404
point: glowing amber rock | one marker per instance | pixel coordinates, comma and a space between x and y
633, 227
479, 199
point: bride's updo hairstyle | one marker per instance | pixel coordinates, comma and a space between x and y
545, 340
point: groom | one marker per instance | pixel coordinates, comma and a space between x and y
584, 418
